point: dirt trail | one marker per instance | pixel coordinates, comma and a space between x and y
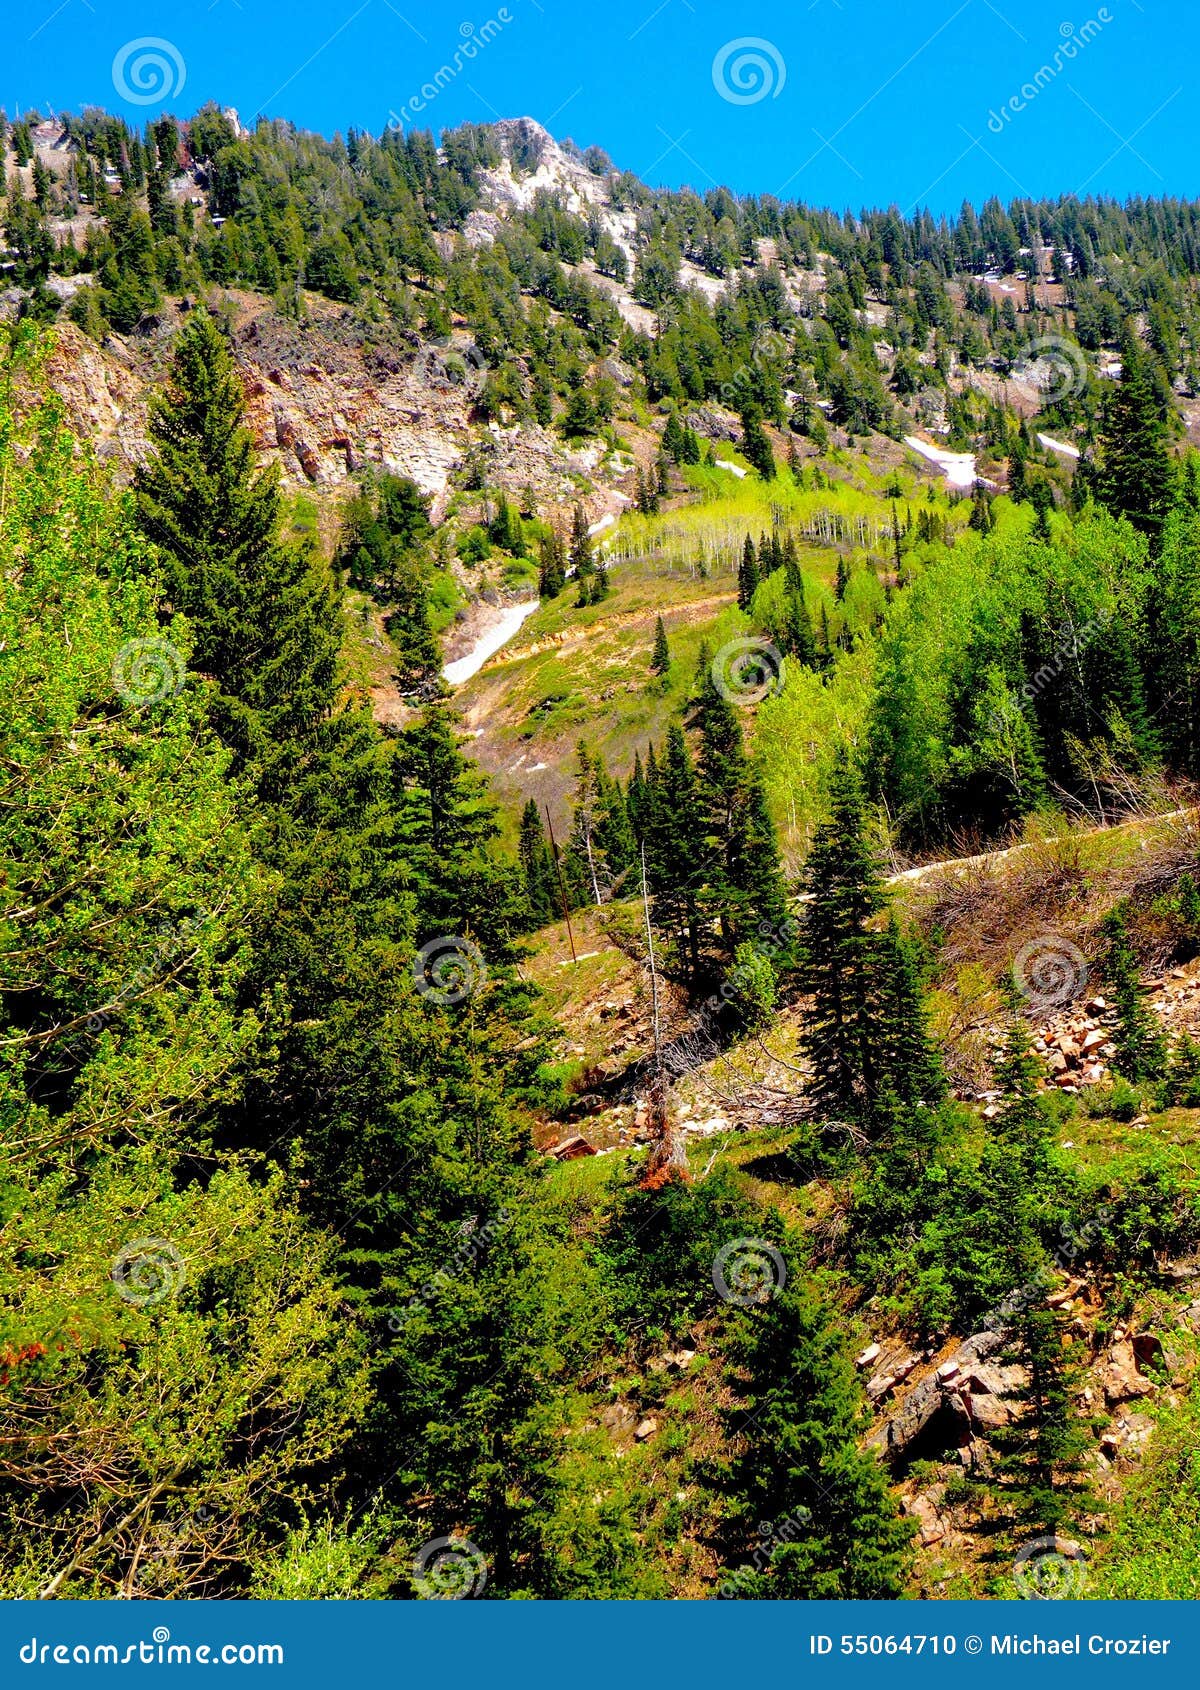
988, 859
627, 619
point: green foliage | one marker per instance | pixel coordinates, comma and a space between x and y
833, 1529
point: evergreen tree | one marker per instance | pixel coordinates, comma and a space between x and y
1040, 1452
552, 574
1135, 474
908, 1057
582, 561
756, 446
797, 634
660, 661
747, 575
1140, 1048
840, 966
676, 858
673, 440
418, 654
537, 866
266, 620
744, 889
835, 1532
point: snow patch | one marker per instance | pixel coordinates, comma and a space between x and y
957, 467
500, 630
734, 469
1062, 446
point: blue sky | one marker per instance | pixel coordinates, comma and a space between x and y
837, 102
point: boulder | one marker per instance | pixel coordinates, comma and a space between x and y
929, 1524
1121, 1378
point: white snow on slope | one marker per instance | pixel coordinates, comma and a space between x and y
497, 634
957, 467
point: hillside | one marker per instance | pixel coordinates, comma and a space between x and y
603, 932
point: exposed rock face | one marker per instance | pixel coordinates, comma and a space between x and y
963, 1383
322, 398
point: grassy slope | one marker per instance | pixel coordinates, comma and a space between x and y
575, 673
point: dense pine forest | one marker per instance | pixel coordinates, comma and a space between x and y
703, 1105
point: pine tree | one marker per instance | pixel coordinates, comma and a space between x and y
418, 654
581, 544
798, 639
744, 888
537, 866
660, 662
552, 574
911, 1068
1140, 1047
840, 962
1040, 1452
266, 621
673, 440
676, 856
1135, 473
747, 575
756, 447
1022, 1124
835, 1532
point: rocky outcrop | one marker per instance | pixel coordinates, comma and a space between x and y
970, 1383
